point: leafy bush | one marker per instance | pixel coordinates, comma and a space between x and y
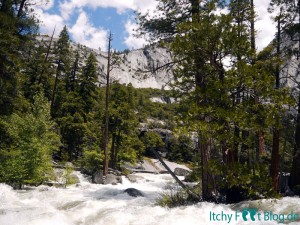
92, 161
27, 142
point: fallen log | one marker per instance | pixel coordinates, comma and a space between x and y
181, 184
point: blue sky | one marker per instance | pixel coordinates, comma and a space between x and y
89, 21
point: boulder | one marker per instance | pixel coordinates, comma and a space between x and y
112, 179
133, 192
69, 165
181, 172
114, 172
97, 177
134, 178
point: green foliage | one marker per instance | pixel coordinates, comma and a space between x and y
87, 86
15, 28
92, 161
152, 140
67, 176
36, 74
180, 149
254, 182
132, 149
174, 196
27, 144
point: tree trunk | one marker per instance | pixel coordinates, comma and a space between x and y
276, 133
47, 55
21, 7
105, 144
207, 181
112, 152
275, 159
55, 87
200, 87
181, 184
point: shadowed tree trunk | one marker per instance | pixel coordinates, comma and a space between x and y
276, 132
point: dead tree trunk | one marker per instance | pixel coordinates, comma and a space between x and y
192, 194
105, 144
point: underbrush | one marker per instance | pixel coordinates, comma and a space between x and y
175, 196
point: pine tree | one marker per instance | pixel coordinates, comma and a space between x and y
283, 19
17, 23
62, 61
87, 86
122, 123
220, 101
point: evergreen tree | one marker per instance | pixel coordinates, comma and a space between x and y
87, 86
286, 18
220, 101
17, 23
37, 74
62, 61
125, 143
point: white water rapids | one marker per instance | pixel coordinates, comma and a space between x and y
92, 204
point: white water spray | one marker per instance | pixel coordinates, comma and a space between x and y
93, 204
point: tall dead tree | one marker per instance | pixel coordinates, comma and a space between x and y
112, 62
106, 119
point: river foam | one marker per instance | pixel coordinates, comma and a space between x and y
93, 204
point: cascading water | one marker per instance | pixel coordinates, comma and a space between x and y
92, 204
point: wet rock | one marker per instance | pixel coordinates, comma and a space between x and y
97, 177
114, 172
54, 184
181, 172
134, 178
133, 192
112, 179
69, 164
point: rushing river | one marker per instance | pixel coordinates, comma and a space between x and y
92, 204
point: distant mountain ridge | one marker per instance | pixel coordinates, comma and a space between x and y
138, 67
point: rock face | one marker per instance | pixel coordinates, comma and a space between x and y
133, 65
133, 192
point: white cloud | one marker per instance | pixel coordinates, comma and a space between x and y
49, 21
264, 25
131, 41
68, 6
82, 30
85, 33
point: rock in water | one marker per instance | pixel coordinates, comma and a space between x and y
134, 178
134, 192
112, 179
97, 177
181, 172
